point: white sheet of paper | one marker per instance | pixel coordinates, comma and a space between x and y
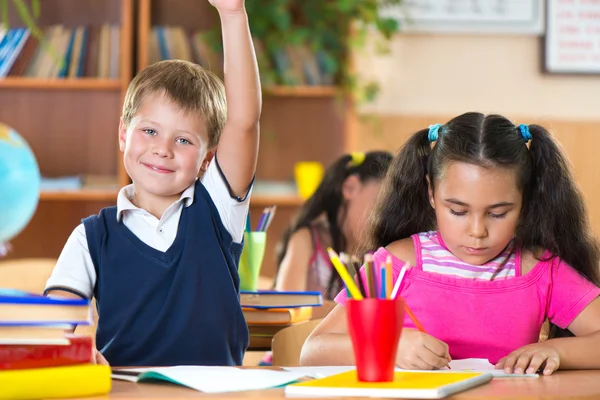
320, 372
483, 365
223, 379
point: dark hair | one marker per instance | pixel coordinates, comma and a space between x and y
328, 199
553, 215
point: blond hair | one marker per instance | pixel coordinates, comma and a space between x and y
188, 85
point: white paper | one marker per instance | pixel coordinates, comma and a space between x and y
223, 379
483, 365
320, 372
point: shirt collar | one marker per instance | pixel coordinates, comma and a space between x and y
127, 192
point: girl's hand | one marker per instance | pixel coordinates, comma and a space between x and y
228, 5
418, 350
99, 358
529, 359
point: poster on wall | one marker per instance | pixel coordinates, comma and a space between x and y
572, 43
523, 17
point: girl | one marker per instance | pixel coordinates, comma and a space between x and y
333, 216
499, 240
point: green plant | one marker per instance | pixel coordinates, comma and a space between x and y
28, 18
329, 28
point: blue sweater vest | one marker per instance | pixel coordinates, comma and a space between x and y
179, 307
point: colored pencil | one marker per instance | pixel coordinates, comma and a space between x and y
356, 267
388, 277
370, 275
399, 280
346, 278
383, 285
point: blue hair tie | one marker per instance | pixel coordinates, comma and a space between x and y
524, 129
433, 132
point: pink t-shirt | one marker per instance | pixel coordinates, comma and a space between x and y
489, 319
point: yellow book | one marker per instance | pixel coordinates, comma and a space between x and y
57, 382
406, 384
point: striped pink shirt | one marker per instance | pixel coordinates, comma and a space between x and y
437, 258
482, 318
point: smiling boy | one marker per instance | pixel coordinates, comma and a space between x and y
162, 264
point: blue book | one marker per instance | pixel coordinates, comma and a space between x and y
19, 308
274, 299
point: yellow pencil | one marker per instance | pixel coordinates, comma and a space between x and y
388, 277
344, 274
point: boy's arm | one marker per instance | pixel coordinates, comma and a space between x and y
238, 147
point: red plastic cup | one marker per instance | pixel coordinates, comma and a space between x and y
375, 326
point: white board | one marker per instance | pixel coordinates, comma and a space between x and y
470, 16
572, 42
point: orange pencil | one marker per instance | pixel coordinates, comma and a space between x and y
413, 318
388, 277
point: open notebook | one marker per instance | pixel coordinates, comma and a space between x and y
211, 379
406, 384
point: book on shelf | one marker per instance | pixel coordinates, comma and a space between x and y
73, 182
295, 65
72, 381
277, 299
34, 334
22, 308
277, 316
77, 350
274, 188
71, 52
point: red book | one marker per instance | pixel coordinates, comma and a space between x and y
20, 356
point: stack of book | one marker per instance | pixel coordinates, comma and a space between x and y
39, 356
267, 312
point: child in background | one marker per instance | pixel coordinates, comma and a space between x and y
162, 264
334, 216
499, 240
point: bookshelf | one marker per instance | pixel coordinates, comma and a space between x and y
298, 123
71, 123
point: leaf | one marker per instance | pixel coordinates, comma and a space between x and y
28, 20
329, 28
4, 11
36, 8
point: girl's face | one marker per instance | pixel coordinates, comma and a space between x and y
477, 210
360, 198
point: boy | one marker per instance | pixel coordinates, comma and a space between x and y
162, 264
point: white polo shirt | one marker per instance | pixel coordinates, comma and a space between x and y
75, 269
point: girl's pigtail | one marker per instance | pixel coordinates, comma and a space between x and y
403, 205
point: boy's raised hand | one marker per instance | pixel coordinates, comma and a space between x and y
418, 350
228, 5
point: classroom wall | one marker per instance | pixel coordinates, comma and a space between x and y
428, 78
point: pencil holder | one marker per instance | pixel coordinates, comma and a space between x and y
308, 176
375, 326
251, 259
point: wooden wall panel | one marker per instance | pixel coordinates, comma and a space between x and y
50, 228
73, 12
70, 132
298, 129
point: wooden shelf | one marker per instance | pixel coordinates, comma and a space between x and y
80, 195
300, 91
61, 84
276, 200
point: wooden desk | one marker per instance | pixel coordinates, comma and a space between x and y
562, 385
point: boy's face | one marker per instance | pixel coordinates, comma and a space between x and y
164, 147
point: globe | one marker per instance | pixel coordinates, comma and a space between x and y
19, 184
